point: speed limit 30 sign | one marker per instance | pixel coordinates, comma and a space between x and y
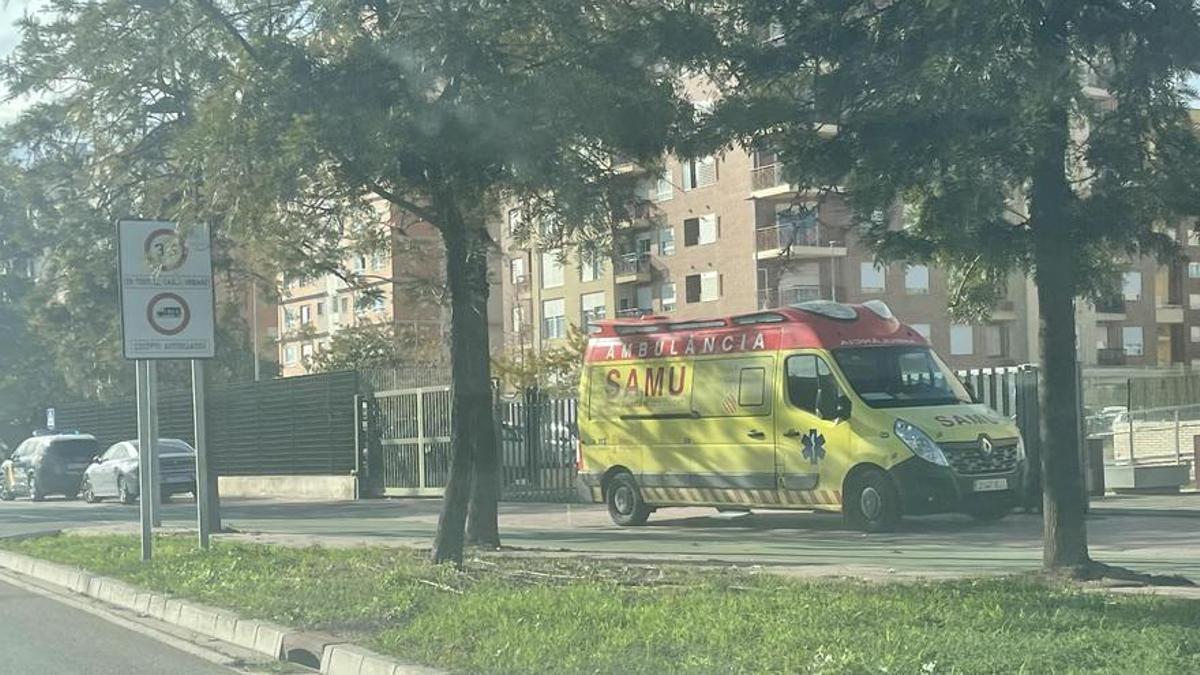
167, 308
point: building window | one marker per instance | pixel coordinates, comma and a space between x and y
592, 306
517, 270
997, 340
1193, 237
360, 263
1131, 340
590, 268
666, 240
516, 319
962, 340
666, 296
703, 287
306, 352
916, 280
1194, 270
320, 309
664, 187
345, 305
554, 320
305, 314
552, 270
289, 355
379, 303
700, 231
1194, 300
514, 222
1131, 286
1195, 333
289, 319
924, 329
873, 277
698, 173
378, 261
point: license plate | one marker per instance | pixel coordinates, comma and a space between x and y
991, 484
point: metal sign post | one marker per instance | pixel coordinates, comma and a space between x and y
144, 436
155, 494
167, 312
203, 513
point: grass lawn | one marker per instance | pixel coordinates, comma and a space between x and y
505, 615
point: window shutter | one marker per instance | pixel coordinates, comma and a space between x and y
689, 174
692, 284
706, 171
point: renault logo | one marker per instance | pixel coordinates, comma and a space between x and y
985, 445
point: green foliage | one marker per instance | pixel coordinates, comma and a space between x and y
554, 368
948, 109
563, 615
379, 346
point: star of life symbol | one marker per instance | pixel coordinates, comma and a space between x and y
814, 446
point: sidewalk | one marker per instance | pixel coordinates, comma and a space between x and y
1185, 503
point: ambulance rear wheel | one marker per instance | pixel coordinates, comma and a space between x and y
871, 502
625, 504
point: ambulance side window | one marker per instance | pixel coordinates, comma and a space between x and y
812, 386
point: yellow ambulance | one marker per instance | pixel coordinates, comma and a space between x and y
820, 405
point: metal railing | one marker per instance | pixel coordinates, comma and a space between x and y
790, 234
631, 263
764, 177
1151, 437
633, 312
1110, 356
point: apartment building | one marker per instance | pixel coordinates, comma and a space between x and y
399, 287
728, 235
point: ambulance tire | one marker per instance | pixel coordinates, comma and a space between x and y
871, 502
625, 504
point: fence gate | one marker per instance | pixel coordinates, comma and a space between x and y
535, 435
413, 427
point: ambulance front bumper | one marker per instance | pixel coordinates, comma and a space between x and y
927, 488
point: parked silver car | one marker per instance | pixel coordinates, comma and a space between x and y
115, 473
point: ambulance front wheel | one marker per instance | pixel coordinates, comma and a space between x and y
625, 504
871, 502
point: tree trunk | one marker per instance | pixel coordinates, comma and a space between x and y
466, 386
483, 527
1064, 537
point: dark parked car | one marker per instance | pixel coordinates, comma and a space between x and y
46, 465
115, 473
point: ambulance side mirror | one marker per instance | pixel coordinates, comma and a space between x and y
841, 410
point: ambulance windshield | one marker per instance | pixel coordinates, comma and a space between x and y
900, 377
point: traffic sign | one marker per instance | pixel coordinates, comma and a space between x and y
167, 306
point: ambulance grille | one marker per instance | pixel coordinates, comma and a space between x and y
968, 459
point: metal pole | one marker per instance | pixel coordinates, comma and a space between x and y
152, 449
254, 327
143, 416
1178, 450
1129, 413
203, 520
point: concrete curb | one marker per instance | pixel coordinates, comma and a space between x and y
258, 636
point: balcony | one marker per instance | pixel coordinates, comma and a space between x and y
633, 312
1168, 314
1006, 310
1110, 356
1110, 309
631, 268
798, 240
770, 298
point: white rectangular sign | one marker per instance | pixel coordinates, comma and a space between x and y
167, 306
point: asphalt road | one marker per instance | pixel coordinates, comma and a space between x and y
40, 635
1152, 534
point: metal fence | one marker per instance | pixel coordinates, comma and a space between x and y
536, 436
1152, 437
290, 426
1013, 392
